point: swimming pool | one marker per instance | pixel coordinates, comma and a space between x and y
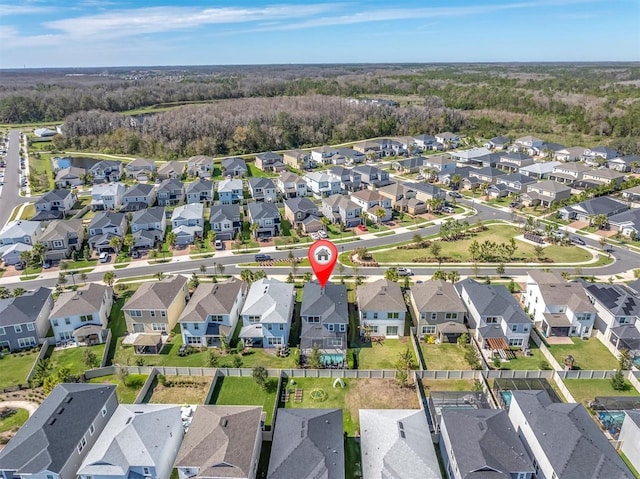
332, 359
611, 421
506, 397
636, 361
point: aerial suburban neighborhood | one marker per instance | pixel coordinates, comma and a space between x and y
159, 319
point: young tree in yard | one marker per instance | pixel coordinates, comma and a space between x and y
26, 258
203, 268
115, 243
404, 364
42, 369
463, 340
213, 359
500, 269
89, 358
436, 251
237, 361
618, 382
4, 292
194, 282
259, 274
538, 251
109, 278
417, 239
220, 269
160, 275
37, 253
62, 278
294, 264
260, 376
624, 361
599, 221
129, 241
474, 250
391, 274
211, 236
63, 265
406, 283
315, 358
306, 278
439, 274
17, 292
603, 242
453, 276
246, 275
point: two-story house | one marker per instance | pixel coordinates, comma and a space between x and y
200, 166
234, 167
225, 221
499, 322
171, 170
604, 176
558, 307
106, 171
438, 310
350, 180
24, 320
568, 172
512, 162
448, 139
212, 313
403, 198
587, 210
480, 176
18, 236
539, 171
408, 165
138, 196
107, 196
61, 238
325, 317
471, 157
562, 440
267, 313
55, 440
82, 315
298, 159
530, 144
618, 317
187, 222
351, 156
266, 216
170, 192
54, 204
599, 153
424, 142
103, 227
303, 213
291, 185
381, 308
544, 193
437, 165
322, 155
482, 443
376, 206
230, 192
270, 161
155, 307
573, 153
262, 189
70, 177
321, 184
515, 183
340, 209
148, 227
624, 163
498, 143
140, 440
141, 169
200, 191
428, 191
230, 434
372, 176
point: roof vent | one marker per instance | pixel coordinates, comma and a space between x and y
61, 410
224, 422
52, 421
68, 399
128, 420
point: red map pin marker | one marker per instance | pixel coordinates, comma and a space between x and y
323, 255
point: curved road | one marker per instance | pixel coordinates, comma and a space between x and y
624, 258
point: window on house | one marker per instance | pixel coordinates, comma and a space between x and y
423, 316
375, 315
26, 342
451, 316
514, 328
158, 326
82, 444
330, 327
30, 327
92, 429
392, 330
145, 471
152, 314
434, 316
86, 317
196, 326
313, 319
516, 342
17, 328
67, 320
2, 331
269, 326
491, 319
374, 329
343, 328
281, 327
163, 313
624, 320
135, 313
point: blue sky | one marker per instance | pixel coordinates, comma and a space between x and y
54, 33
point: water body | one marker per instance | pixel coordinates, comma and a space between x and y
58, 163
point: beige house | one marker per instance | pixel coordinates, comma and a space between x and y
156, 306
61, 237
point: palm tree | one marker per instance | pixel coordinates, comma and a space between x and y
380, 214
453, 276
220, 269
171, 238
254, 229
246, 275
203, 268
599, 221
37, 253
109, 278
129, 241
18, 292
160, 275
4, 292
455, 180
115, 243
26, 258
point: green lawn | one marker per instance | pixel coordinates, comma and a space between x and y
584, 390
447, 385
14, 368
444, 356
232, 391
588, 354
42, 164
28, 212
17, 419
458, 251
256, 172
125, 355
127, 390
380, 356
261, 357
80, 264
522, 363
72, 358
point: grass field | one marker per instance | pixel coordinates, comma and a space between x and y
190, 390
72, 358
357, 394
28, 212
444, 356
381, 356
522, 363
584, 390
17, 419
126, 391
458, 251
588, 354
233, 391
14, 368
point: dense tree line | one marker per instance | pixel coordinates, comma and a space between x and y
249, 125
598, 100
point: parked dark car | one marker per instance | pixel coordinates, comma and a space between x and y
577, 240
262, 257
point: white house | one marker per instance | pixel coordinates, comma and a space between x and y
82, 315
267, 312
230, 191
212, 313
559, 308
187, 222
20, 231
373, 202
322, 184
262, 189
630, 437
381, 308
107, 196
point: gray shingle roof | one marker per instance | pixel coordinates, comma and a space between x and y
85, 300
220, 441
139, 189
300, 204
436, 296
148, 215
190, 211
234, 163
263, 210
569, 437
106, 219
307, 444
261, 182
329, 302
381, 295
136, 435
222, 212
43, 444
60, 229
484, 440
59, 194
19, 229
493, 300
212, 298
271, 299
25, 308
200, 186
153, 295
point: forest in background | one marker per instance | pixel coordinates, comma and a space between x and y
242, 109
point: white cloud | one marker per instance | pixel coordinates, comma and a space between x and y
23, 9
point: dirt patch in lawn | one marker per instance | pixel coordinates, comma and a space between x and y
180, 390
379, 394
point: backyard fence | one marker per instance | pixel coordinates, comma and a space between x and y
415, 342
43, 351
516, 374
586, 374
105, 353
146, 387
561, 386
545, 351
